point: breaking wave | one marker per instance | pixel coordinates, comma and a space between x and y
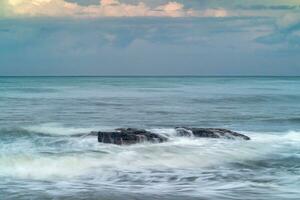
63, 156
45, 154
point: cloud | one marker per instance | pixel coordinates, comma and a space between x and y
216, 13
286, 32
288, 21
50, 46
267, 7
106, 8
3, 8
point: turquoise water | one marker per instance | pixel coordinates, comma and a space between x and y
40, 157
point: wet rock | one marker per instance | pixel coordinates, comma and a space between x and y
210, 133
126, 136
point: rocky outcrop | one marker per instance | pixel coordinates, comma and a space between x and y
125, 136
210, 133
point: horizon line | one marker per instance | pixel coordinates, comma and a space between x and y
145, 76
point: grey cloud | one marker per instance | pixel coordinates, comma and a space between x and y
136, 46
122, 32
267, 7
286, 31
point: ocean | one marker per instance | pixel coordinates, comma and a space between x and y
42, 158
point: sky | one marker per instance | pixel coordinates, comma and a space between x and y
149, 37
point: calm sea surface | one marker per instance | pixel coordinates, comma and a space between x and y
40, 158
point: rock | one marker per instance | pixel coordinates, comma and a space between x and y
210, 133
126, 136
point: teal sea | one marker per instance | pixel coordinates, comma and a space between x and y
42, 158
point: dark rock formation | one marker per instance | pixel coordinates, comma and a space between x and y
210, 133
129, 136
126, 136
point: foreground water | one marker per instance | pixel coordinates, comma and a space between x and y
41, 159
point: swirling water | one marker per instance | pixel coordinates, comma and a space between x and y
40, 157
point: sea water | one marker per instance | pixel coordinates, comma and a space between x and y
42, 158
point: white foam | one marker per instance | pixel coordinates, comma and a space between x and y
37, 167
269, 137
169, 132
180, 154
101, 159
59, 129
